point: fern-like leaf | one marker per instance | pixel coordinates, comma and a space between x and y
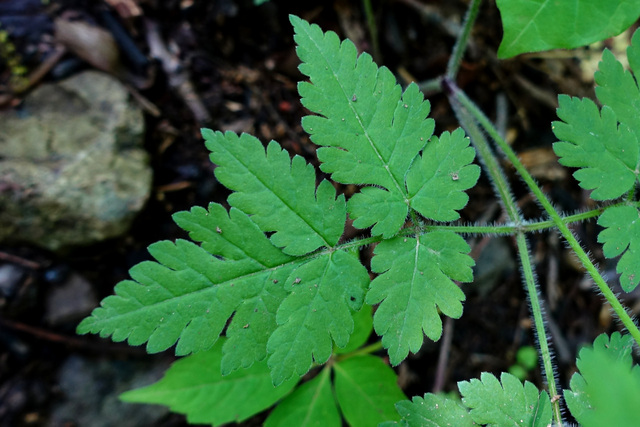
594, 399
507, 402
269, 273
415, 281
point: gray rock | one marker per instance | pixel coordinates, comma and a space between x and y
10, 277
90, 390
70, 301
72, 167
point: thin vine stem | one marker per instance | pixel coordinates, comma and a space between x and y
503, 189
463, 39
604, 288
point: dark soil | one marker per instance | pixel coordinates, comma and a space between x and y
241, 61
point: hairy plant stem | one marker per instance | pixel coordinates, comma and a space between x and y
503, 190
462, 99
536, 309
523, 226
461, 43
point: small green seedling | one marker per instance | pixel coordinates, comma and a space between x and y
526, 361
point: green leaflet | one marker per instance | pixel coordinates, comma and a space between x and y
367, 390
592, 140
507, 402
370, 132
604, 144
317, 311
432, 410
532, 26
195, 387
595, 400
189, 294
415, 280
617, 88
311, 404
439, 177
278, 192
621, 235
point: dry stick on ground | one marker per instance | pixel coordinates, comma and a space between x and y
74, 342
14, 259
443, 356
177, 74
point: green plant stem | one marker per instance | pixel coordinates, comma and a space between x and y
503, 190
373, 30
536, 305
371, 348
608, 294
431, 87
461, 43
497, 229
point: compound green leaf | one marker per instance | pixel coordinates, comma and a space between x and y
415, 281
190, 294
592, 140
536, 25
439, 177
368, 129
323, 293
621, 235
433, 410
195, 387
278, 192
310, 405
511, 403
608, 384
366, 389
